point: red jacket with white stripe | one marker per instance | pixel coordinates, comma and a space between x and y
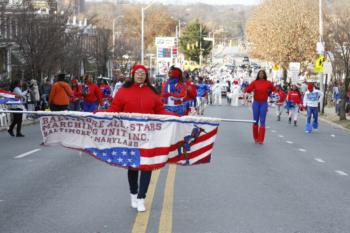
137, 99
294, 96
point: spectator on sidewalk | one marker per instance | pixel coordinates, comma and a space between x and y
336, 98
45, 90
16, 88
60, 94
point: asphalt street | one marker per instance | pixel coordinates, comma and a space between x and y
295, 182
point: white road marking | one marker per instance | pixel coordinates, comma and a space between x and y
302, 150
1, 200
273, 131
341, 173
268, 127
26, 154
319, 160
289, 142
281, 136
333, 136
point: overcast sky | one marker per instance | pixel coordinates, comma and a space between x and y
214, 2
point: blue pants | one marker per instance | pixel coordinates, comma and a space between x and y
259, 112
311, 111
90, 107
179, 109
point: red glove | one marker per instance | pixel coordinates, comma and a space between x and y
166, 95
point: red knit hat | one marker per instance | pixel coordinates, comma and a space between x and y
174, 73
137, 67
235, 82
310, 86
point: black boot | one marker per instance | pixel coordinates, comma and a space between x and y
295, 123
19, 135
10, 131
290, 120
278, 118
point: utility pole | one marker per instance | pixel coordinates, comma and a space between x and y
200, 46
143, 30
321, 51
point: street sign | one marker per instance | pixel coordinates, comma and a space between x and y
166, 41
294, 71
319, 64
276, 67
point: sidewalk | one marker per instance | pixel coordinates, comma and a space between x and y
332, 118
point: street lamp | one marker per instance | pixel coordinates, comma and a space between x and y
142, 28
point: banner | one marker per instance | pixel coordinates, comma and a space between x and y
136, 141
8, 98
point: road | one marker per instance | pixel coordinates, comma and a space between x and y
295, 182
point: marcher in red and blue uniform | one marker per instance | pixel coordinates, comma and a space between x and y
203, 91
280, 99
294, 104
106, 92
174, 91
262, 88
191, 94
91, 95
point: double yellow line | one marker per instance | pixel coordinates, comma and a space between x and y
166, 217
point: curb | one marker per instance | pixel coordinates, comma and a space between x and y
335, 125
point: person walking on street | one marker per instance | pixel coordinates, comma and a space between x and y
312, 98
262, 88
60, 94
280, 99
75, 100
17, 117
137, 95
91, 94
174, 91
294, 103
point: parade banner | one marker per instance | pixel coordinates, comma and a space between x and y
136, 141
8, 98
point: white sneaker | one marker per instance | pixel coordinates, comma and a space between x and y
141, 205
133, 200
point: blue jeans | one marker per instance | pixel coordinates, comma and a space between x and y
259, 112
74, 106
311, 111
90, 107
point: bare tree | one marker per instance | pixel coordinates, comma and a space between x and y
339, 37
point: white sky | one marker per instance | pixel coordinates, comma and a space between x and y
214, 2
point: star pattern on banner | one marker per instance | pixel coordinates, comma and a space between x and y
126, 157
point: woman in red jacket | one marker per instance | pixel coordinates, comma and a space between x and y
262, 88
91, 94
295, 103
137, 95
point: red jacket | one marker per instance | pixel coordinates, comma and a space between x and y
137, 99
94, 93
282, 96
262, 89
76, 93
294, 96
191, 91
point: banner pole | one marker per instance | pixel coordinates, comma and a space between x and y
65, 113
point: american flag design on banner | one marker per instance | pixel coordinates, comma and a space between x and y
8, 98
134, 141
